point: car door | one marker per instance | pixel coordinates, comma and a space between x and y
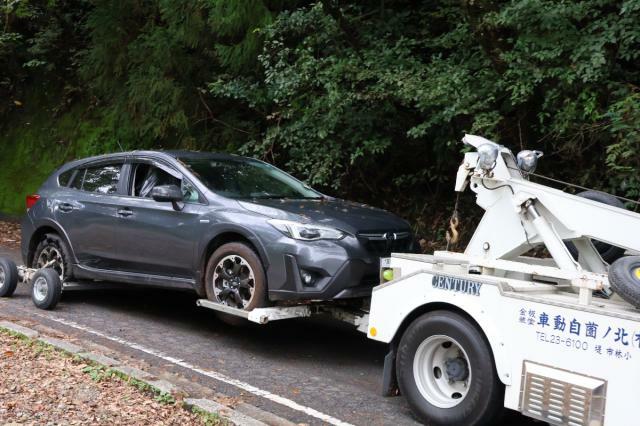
153, 237
87, 211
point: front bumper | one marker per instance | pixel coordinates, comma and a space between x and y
340, 269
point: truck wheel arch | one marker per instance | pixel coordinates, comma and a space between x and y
489, 330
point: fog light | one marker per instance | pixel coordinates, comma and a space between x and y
307, 278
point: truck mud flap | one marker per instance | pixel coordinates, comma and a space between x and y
389, 380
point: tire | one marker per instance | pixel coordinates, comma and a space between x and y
52, 245
624, 277
478, 403
608, 252
251, 283
8, 277
46, 288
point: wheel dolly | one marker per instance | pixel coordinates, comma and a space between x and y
470, 333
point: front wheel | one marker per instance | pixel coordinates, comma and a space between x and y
445, 369
235, 277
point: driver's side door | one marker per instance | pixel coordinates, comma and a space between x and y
153, 237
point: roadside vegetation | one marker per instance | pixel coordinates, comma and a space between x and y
40, 385
364, 100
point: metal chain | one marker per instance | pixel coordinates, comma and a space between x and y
452, 233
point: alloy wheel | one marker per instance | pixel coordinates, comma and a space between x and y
49, 254
234, 281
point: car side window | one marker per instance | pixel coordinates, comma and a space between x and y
101, 179
147, 176
65, 177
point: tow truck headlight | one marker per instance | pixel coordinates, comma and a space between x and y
306, 231
487, 156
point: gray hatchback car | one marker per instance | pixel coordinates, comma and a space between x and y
236, 230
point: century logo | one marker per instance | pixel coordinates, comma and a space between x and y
459, 285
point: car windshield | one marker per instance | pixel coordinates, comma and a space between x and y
246, 179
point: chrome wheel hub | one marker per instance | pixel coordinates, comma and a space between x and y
442, 371
233, 281
40, 289
49, 254
2, 277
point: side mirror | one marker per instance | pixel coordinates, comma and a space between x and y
167, 193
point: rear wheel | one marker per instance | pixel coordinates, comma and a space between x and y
53, 253
235, 277
445, 369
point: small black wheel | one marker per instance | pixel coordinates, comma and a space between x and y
46, 288
235, 277
8, 277
624, 277
54, 251
445, 369
608, 252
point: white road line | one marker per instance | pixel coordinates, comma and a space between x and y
213, 374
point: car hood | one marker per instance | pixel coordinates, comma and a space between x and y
341, 214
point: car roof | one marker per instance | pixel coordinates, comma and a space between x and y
169, 154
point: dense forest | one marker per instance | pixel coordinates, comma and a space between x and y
363, 100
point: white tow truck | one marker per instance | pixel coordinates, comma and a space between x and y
470, 333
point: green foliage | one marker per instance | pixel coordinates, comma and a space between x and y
97, 373
367, 100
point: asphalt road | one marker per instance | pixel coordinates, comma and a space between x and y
325, 368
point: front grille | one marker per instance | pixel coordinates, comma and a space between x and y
561, 397
384, 243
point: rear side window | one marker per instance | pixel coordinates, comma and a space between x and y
65, 177
101, 179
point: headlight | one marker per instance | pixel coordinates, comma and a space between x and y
306, 231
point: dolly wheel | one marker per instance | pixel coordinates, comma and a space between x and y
46, 288
445, 369
8, 277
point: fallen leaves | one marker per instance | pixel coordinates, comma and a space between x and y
9, 234
47, 387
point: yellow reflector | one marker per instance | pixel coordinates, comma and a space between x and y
373, 331
637, 273
387, 274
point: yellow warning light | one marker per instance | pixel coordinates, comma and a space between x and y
373, 331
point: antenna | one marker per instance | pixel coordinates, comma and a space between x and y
120, 146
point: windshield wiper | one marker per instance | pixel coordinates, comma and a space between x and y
284, 197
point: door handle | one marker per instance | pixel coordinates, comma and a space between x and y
125, 212
65, 207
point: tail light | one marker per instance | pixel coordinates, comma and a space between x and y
31, 200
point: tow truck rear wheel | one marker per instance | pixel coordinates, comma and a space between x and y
445, 369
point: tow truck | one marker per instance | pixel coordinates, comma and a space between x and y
556, 338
